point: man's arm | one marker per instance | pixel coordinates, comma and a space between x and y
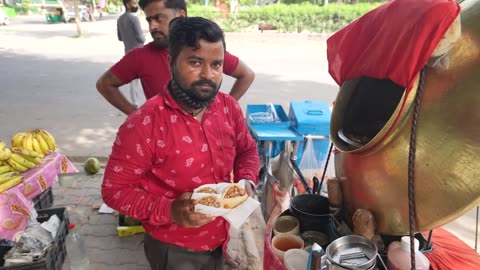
119, 35
108, 85
126, 173
139, 36
246, 164
244, 77
123, 187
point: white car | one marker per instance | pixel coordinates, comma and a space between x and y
83, 12
3, 17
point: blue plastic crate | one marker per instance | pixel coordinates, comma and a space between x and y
310, 117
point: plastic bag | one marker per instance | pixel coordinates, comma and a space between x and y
309, 165
270, 116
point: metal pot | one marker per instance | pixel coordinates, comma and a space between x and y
351, 252
313, 211
447, 163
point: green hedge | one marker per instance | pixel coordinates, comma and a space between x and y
9, 11
287, 18
23, 10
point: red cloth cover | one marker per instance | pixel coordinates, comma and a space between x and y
393, 41
449, 252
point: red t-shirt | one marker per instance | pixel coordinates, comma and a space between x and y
161, 152
150, 64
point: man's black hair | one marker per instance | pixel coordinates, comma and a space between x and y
125, 2
187, 32
172, 4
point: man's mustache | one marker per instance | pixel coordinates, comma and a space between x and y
203, 82
153, 32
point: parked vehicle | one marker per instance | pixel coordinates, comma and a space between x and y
83, 13
55, 14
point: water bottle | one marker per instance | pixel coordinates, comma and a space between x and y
76, 250
399, 256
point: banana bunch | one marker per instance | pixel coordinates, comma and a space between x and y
38, 140
9, 179
5, 153
23, 159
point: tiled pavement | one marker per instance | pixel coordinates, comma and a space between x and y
105, 249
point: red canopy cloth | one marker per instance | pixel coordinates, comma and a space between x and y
393, 41
449, 252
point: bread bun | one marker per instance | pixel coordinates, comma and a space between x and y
364, 223
233, 196
210, 200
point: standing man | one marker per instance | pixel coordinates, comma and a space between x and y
130, 32
150, 63
189, 136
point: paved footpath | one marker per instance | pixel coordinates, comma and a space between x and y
105, 249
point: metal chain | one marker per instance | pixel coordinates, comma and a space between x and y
412, 212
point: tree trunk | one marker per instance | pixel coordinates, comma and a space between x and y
77, 18
94, 11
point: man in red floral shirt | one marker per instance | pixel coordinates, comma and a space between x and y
174, 143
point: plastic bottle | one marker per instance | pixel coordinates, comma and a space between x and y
399, 256
76, 251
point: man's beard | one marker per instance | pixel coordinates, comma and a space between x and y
190, 96
160, 41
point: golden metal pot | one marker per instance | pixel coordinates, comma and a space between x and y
447, 168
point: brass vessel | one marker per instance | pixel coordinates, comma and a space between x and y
373, 170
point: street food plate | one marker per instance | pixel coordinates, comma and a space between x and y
237, 215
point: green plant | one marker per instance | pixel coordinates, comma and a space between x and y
287, 18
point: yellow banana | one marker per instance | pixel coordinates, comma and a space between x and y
4, 169
28, 142
49, 139
36, 145
22, 161
7, 176
42, 144
2, 145
26, 153
17, 167
35, 160
11, 183
17, 139
5, 154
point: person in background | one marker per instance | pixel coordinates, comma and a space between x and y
150, 62
130, 32
189, 136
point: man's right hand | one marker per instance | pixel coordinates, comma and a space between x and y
183, 212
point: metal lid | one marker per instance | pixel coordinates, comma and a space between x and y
352, 252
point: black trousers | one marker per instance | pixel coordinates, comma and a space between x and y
163, 256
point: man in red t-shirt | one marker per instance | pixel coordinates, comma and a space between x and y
189, 136
150, 63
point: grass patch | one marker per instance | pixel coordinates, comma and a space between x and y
82, 36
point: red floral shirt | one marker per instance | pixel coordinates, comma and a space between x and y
161, 152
